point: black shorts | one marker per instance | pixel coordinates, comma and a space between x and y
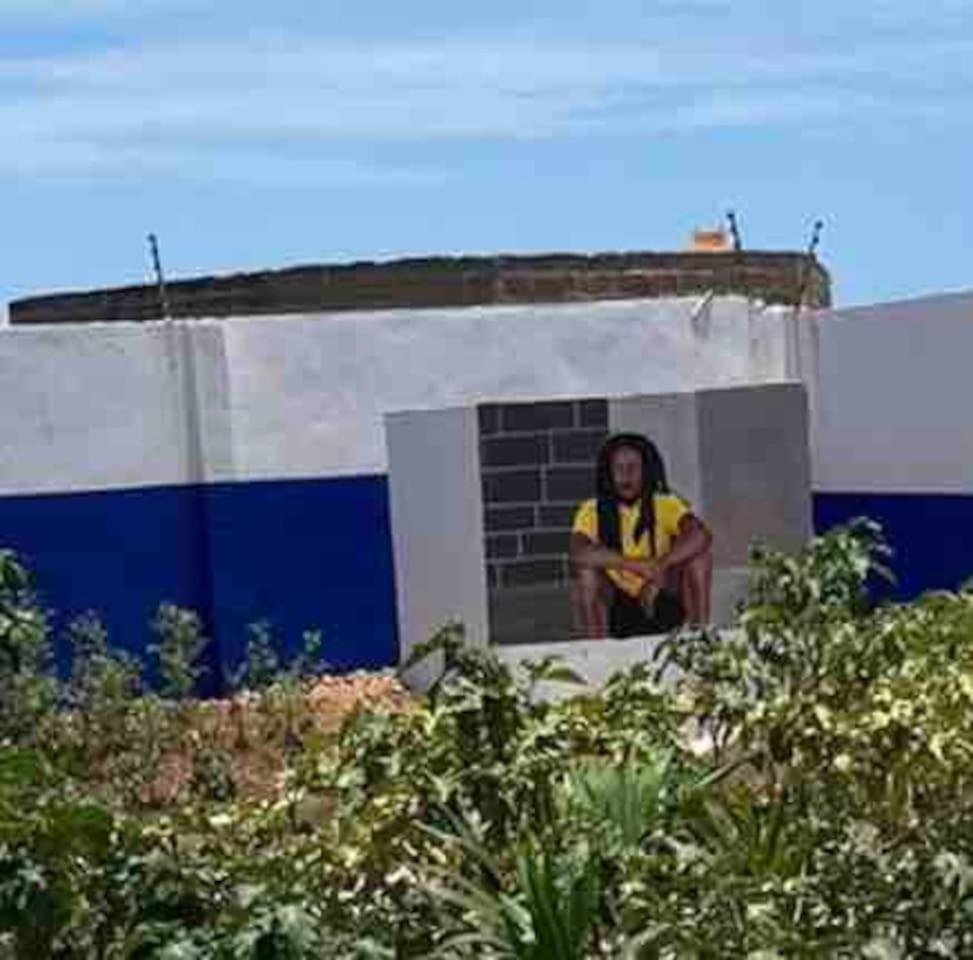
628, 618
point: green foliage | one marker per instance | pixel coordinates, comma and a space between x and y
103, 681
546, 906
179, 648
630, 798
27, 689
261, 664
798, 787
310, 661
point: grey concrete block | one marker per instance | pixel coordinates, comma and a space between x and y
531, 417
488, 416
593, 413
578, 446
569, 483
730, 588
594, 661
502, 546
516, 451
546, 544
531, 613
500, 519
512, 486
557, 515
520, 573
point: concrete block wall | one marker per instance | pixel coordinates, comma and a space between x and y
537, 461
739, 455
774, 277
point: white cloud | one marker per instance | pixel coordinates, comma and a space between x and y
179, 106
27, 11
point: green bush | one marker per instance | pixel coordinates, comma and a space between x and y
798, 787
28, 690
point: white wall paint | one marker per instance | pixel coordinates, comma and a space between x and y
894, 410
308, 394
123, 405
93, 407
437, 526
102, 406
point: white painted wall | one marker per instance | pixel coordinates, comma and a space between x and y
594, 662
112, 406
88, 408
894, 409
123, 405
437, 526
308, 394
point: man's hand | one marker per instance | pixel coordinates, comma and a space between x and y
654, 575
652, 571
647, 596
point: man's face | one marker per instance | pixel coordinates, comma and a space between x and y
626, 467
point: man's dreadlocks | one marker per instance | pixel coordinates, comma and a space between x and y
653, 482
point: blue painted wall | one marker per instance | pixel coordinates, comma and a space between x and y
302, 554
118, 553
931, 534
305, 554
316, 554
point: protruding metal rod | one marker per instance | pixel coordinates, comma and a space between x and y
812, 248
815, 237
159, 277
731, 219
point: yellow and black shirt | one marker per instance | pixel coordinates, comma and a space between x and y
669, 512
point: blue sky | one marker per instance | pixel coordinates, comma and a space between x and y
263, 134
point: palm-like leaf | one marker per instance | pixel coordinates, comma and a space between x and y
547, 910
631, 797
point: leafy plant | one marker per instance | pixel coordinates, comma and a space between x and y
546, 907
28, 689
261, 665
179, 647
799, 786
103, 682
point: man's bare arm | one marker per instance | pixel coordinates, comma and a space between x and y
587, 553
693, 539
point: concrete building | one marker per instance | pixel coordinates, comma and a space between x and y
240, 467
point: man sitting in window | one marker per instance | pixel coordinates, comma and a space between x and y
641, 560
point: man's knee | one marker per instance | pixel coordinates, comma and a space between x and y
590, 585
588, 592
701, 564
587, 578
694, 584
